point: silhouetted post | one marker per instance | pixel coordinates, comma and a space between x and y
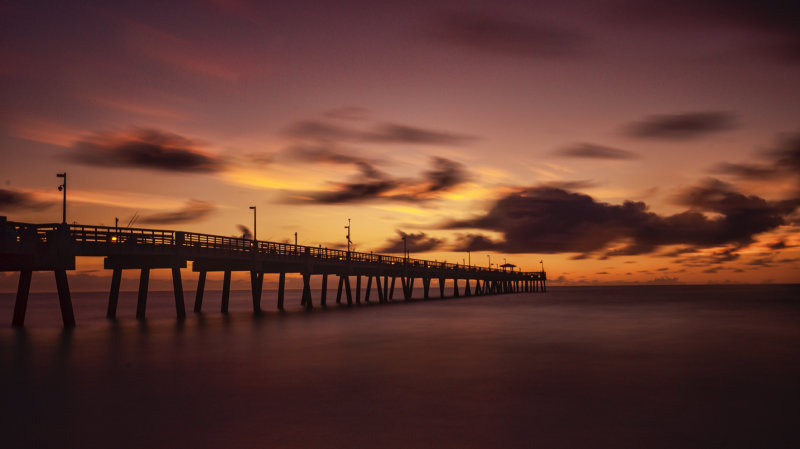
369, 287
64, 298
347, 289
281, 289
177, 287
358, 289
441, 287
226, 291
23, 291
307, 290
256, 286
426, 286
63, 188
323, 297
113, 294
467, 291
455, 287
198, 297
404, 286
386, 288
411, 288
391, 289
381, 298
141, 303
339, 290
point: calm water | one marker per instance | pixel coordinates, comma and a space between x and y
610, 367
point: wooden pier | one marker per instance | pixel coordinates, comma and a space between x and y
27, 247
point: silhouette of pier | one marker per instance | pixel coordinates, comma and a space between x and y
28, 247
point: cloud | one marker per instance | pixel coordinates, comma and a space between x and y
387, 133
553, 220
497, 35
147, 149
394, 133
348, 113
783, 161
194, 211
12, 200
415, 243
591, 151
682, 126
772, 26
373, 184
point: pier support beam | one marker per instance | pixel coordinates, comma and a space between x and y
177, 288
113, 294
348, 291
281, 289
64, 298
386, 288
307, 291
441, 288
467, 291
455, 287
426, 286
323, 296
369, 287
256, 286
339, 289
198, 297
358, 289
23, 291
226, 291
141, 301
381, 297
391, 289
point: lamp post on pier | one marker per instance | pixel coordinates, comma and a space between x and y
63, 188
255, 239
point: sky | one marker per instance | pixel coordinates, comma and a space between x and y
611, 141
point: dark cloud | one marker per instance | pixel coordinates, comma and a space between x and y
324, 154
474, 242
415, 243
244, 232
783, 161
353, 192
388, 133
12, 200
772, 26
348, 113
591, 151
445, 174
682, 126
373, 184
552, 220
193, 211
394, 133
146, 148
498, 35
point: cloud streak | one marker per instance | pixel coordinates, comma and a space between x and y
497, 35
146, 149
414, 243
684, 126
13, 200
387, 133
193, 211
592, 151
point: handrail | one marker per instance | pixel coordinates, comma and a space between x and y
158, 238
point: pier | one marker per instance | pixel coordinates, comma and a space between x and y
28, 247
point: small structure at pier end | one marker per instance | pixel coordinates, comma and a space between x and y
28, 247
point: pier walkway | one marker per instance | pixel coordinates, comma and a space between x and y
28, 247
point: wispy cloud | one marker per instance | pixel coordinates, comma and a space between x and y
13, 200
146, 149
415, 243
193, 211
683, 126
496, 34
592, 151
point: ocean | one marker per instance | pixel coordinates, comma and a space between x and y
576, 367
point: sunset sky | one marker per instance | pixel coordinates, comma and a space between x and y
617, 141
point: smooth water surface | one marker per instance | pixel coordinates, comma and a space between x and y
631, 367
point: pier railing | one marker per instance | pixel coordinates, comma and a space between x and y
99, 238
